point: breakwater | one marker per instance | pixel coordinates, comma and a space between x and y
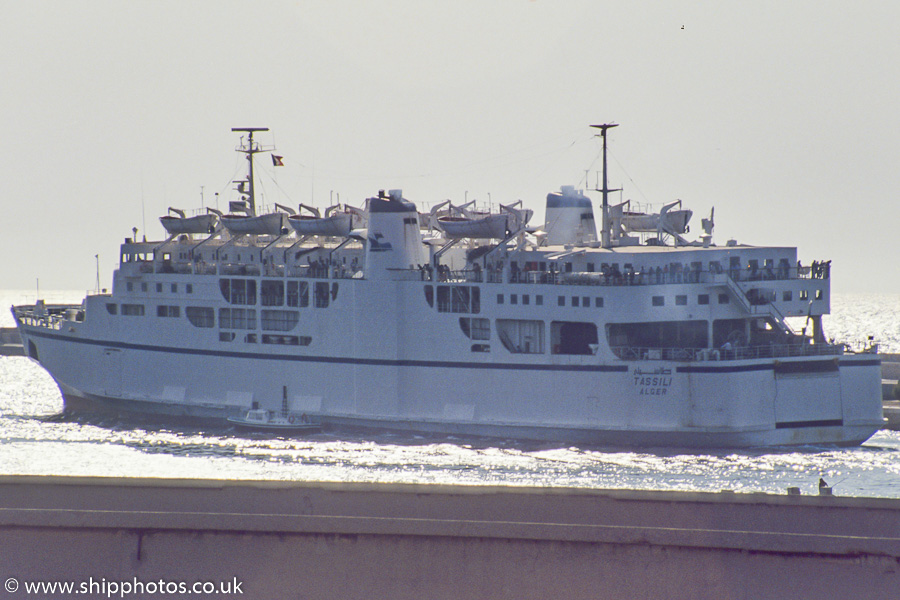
340, 540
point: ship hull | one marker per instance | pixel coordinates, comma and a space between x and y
742, 403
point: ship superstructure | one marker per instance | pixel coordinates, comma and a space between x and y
462, 322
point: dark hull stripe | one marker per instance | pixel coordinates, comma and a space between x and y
798, 424
426, 363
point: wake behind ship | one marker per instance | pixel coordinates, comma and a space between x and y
464, 322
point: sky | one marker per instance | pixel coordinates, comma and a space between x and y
781, 115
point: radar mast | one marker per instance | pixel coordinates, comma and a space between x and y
249, 149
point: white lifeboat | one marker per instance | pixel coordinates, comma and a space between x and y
266, 224
463, 223
337, 221
178, 223
666, 220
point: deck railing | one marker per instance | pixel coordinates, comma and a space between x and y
737, 353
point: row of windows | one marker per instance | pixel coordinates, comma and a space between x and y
702, 299
525, 299
455, 298
160, 288
277, 292
281, 340
229, 318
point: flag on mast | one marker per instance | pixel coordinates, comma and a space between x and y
277, 161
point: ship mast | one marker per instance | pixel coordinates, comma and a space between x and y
250, 149
604, 239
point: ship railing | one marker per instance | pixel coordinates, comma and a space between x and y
655, 276
718, 354
48, 317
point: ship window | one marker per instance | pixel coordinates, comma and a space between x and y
513, 298
112, 309
298, 294
174, 288
475, 329
237, 318
561, 300
133, 310
804, 295
250, 338
238, 291
681, 300
598, 302
129, 287
189, 288
732, 331
168, 311
286, 340
520, 336
723, 299
459, 299
703, 299
272, 293
334, 291
573, 337
499, 298
586, 302
539, 300
279, 320
159, 287
787, 296
630, 339
575, 300
590, 267
200, 316
143, 286
226, 336
819, 294
429, 295
481, 347
321, 294
526, 299
659, 301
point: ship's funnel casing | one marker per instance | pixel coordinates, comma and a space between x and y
569, 218
393, 240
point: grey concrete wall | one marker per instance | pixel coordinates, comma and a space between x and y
307, 540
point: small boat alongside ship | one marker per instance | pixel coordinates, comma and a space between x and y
263, 420
465, 322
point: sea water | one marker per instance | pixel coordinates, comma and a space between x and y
34, 441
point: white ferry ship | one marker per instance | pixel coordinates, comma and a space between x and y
461, 322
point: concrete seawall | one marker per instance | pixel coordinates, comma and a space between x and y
333, 540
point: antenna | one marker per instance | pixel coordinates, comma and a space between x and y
606, 226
